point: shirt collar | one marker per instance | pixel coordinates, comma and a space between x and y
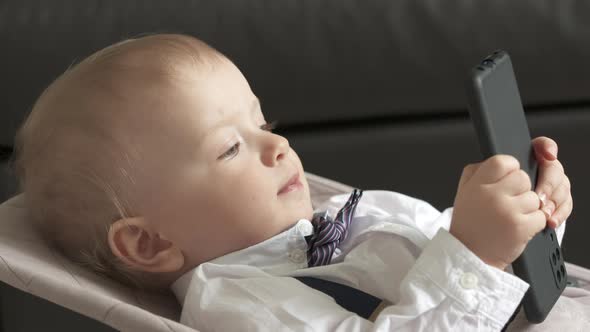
278, 255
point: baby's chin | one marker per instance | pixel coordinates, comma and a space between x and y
302, 211
307, 209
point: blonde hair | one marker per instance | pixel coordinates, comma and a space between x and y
78, 174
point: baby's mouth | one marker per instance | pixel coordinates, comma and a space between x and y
291, 185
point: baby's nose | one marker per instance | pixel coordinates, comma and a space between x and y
276, 149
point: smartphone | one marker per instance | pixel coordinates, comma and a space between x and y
500, 123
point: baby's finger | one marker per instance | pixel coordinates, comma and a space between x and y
527, 202
545, 147
515, 183
562, 213
534, 222
468, 172
495, 168
548, 208
561, 193
550, 176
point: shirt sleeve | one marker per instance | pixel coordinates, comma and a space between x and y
448, 284
450, 287
560, 231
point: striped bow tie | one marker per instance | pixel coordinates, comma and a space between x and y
327, 234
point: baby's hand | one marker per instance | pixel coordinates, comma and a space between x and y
553, 186
495, 212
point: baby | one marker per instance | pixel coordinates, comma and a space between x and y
151, 162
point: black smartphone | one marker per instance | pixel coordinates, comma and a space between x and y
500, 123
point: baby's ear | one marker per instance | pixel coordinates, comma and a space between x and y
135, 243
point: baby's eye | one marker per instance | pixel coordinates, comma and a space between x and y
231, 152
269, 126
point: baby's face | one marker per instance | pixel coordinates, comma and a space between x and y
222, 187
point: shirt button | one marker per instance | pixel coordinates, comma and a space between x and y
297, 256
468, 280
304, 226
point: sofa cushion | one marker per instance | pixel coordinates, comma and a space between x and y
315, 61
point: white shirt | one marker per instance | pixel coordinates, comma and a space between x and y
398, 249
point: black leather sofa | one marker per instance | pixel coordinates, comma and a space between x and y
381, 81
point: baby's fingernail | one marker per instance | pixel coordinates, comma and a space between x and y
553, 152
549, 211
543, 198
